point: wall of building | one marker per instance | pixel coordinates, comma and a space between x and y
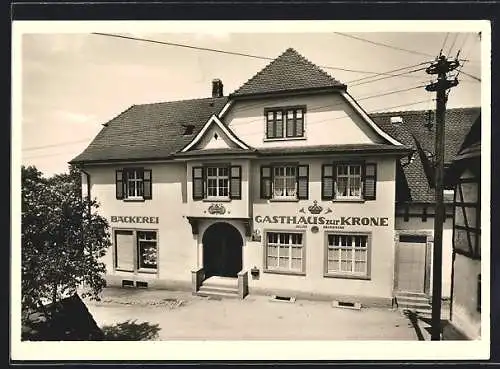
381, 251
417, 224
176, 243
329, 120
465, 316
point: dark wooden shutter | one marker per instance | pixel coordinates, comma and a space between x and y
198, 183
120, 188
303, 182
148, 180
370, 181
327, 181
265, 182
235, 182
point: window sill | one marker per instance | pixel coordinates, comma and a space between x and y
284, 272
134, 199
285, 139
217, 199
349, 200
346, 276
143, 271
147, 271
284, 200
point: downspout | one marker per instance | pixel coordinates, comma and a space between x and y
453, 256
87, 174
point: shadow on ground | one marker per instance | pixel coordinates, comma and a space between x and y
415, 319
129, 330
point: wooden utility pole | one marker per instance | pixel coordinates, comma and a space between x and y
441, 67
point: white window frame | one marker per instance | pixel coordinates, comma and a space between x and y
217, 177
136, 180
285, 245
351, 249
349, 178
136, 257
144, 239
283, 179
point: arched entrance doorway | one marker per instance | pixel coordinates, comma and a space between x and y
222, 250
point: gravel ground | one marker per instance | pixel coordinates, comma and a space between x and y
182, 316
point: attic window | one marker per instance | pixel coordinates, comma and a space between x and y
188, 130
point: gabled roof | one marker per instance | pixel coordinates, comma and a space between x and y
288, 72
458, 122
150, 131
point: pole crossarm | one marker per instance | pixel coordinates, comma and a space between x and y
441, 84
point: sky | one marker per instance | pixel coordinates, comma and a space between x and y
72, 83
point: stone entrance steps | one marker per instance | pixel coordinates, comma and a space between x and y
415, 302
220, 287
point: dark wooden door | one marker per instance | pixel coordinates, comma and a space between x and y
222, 250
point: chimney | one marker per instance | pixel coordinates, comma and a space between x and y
217, 88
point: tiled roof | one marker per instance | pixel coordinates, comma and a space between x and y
457, 124
302, 150
160, 126
347, 148
219, 151
288, 72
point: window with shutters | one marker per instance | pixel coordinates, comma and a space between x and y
347, 255
285, 252
136, 250
133, 184
348, 181
285, 182
222, 182
217, 182
285, 122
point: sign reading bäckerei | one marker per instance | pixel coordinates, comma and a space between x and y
320, 220
134, 219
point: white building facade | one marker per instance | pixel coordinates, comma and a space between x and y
286, 187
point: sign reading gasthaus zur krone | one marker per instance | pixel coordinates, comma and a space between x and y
315, 218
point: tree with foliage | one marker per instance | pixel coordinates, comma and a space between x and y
63, 239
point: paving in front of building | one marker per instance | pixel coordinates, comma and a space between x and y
182, 316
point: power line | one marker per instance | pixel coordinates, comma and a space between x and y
444, 43
53, 145
246, 122
453, 44
389, 72
399, 106
223, 51
386, 77
383, 109
384, 45
465, 73
462, 46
